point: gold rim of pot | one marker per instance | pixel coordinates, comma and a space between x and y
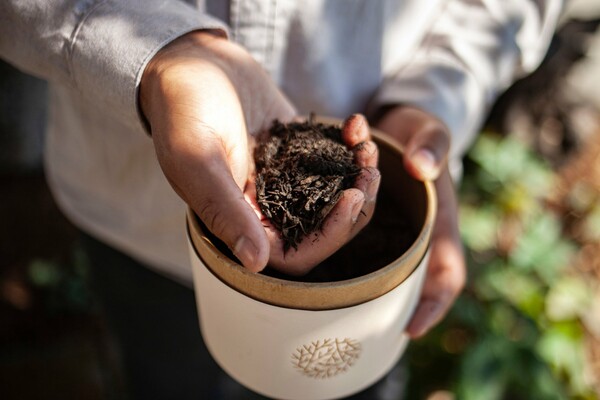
319, 295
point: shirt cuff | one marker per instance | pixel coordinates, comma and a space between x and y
114, 42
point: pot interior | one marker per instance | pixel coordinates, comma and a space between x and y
380, 258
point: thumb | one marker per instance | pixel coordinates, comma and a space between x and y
425, 139
222, 207
202, 177
426, 152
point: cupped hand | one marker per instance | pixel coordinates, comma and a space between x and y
426, 142
203, 97
350, 214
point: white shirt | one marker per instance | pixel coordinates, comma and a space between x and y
333, 57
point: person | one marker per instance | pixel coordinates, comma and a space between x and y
149, 95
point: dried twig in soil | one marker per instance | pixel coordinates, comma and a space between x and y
302, 169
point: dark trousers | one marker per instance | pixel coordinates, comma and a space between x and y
155, 323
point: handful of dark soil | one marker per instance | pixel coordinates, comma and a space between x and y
302, 169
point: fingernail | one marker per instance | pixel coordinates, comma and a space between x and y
419, 331
424, 318
354, 124
356, 210
426, 163
246, 252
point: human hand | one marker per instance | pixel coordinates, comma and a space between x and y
349, 215
426, 142
204, 96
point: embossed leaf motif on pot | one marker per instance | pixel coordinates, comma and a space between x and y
326, 358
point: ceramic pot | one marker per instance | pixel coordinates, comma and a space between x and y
297, 340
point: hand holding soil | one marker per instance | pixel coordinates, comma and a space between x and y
204, 96
426, 143
316, 187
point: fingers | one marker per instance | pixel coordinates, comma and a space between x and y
446, 273
355, 130
314, 248
202, 95
444, 281
357, 136
221, 205
368, 182
352, 212
426, 151
425, 139
426, 143
366, 154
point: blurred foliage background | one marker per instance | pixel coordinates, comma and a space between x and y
519, 329
528, 324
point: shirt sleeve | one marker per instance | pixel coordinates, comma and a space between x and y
473, 50
96, 47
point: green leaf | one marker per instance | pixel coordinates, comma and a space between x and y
505, 162
501, 158
514, 198
44, 273
562, 347
542, 249
591, 224
568, 299
521, 290
479, 227
483, 374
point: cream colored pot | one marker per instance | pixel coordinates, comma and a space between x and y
296, 340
